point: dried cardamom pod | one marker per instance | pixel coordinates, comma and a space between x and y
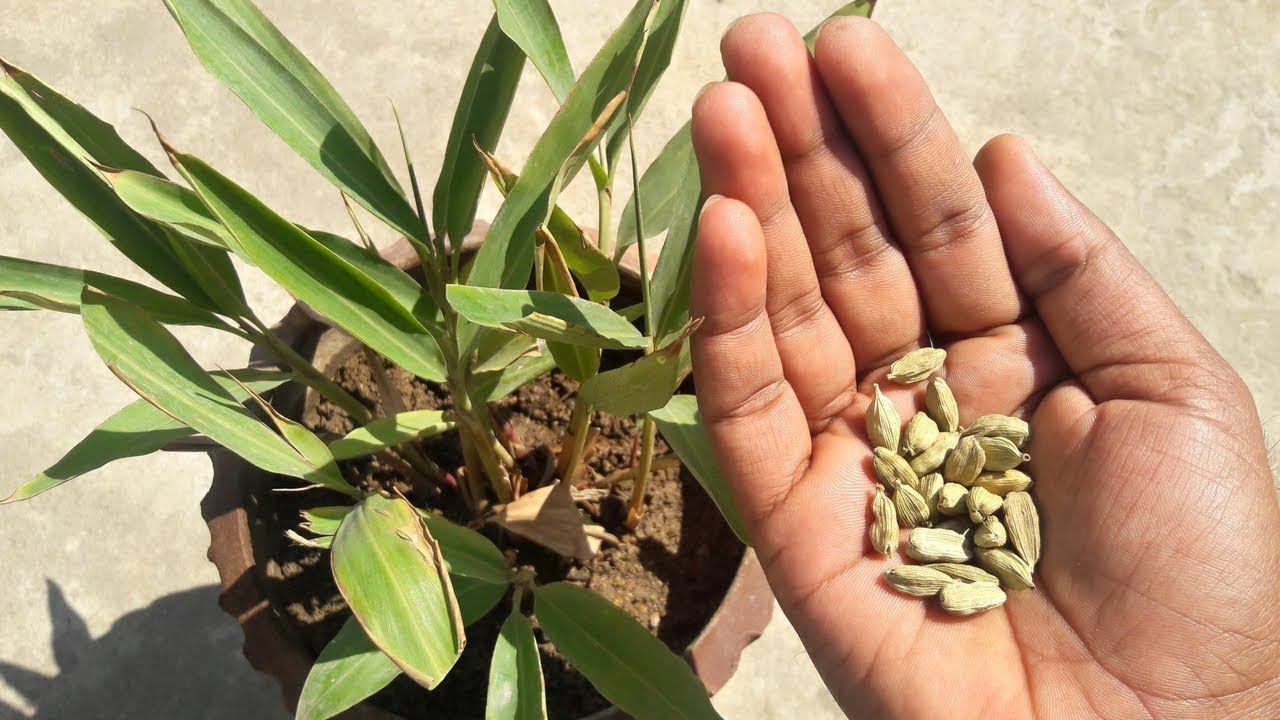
982, 504
1003, 483
967, 573
917, 580
990, 534
892, 469
912, 510
953, 499
884, 528
1023, 525
934, 455
917, 365
970, 598
1013, 571
941, 404
920, 434
937, 545
1000, 426
884, 424
965, 462
1000, 453
930, 486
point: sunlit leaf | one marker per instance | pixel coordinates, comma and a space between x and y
137, 429
654, 61
314, 274
390, 431
27, 284
546, 315
623, 660
660, 188
515, 674
325, 520
505, 258
67, 144
681, 426
482, 112
350, 669
598, 273
390, 571
152, 362
532, 25
466, 552
637, 387
493, 386
240, 47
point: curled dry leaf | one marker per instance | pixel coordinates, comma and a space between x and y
547, 516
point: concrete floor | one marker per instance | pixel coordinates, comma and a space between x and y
1161, 115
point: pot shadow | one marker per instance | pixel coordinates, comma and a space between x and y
699, 572
177, 657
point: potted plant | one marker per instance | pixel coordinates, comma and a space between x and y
429, 519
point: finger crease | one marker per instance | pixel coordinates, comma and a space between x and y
797, 312
955, 227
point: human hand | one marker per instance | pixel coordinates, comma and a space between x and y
847, 226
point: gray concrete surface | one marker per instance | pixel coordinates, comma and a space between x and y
1162, 116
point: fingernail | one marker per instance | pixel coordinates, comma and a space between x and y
711, 200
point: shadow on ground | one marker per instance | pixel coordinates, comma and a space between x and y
179, 657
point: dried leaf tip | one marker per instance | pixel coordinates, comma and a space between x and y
169, 149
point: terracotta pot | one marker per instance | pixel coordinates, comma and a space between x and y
274, 647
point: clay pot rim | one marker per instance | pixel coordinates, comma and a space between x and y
270, 644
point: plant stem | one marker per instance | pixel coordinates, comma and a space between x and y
310, 375
635, 510
579, 424
605, 194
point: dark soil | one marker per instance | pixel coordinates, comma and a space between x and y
670, 574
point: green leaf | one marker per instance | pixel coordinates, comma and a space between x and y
515, 674
395, 281
390, 570
860, 8
498, 350
137, 429
314, 274
325, 520
170, 203
669, 286
660, 188
27, 284
467, 553
505, 258
654, 61
681, 426
546, 315
637, 387
493, 386
482, 112
389, 431
350, 669
240, 47
625, 662
477, 598
532, 25
152, 362
67, 144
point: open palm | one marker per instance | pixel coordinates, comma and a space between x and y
846, 226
